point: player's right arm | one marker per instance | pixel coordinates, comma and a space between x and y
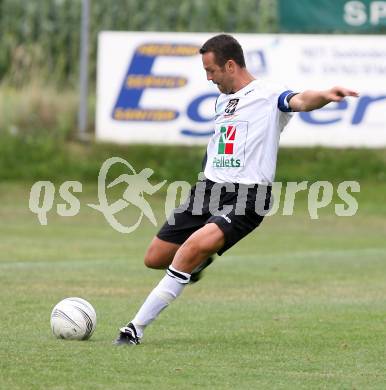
312, 100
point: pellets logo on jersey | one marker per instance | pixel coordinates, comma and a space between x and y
232, 139
231, 107
227, 138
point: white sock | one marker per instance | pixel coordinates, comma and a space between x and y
167, 290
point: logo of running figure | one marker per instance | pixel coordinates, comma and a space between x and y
226, 140
137, 185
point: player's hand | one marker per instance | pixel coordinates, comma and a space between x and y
337, 94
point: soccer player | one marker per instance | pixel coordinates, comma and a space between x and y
241, 156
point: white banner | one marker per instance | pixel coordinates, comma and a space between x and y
151, 87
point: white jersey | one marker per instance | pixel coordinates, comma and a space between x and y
248, 123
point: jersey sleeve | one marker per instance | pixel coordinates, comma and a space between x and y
283, 100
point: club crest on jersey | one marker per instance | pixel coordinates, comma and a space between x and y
231, 107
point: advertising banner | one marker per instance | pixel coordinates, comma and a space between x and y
332, 16
152, 88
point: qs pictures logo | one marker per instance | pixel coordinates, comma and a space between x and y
136, 188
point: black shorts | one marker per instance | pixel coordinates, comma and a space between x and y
235, 208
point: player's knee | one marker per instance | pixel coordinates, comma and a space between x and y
151, 262
155, 259
150, 259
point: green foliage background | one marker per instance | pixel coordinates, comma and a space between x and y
40, 38
39, 60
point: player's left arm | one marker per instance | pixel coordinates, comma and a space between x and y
312, 100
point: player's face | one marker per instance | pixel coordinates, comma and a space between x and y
217, 74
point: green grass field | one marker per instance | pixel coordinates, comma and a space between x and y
299, 304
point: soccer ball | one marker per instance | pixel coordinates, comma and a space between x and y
73, 319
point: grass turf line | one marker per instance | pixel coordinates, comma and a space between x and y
297, 304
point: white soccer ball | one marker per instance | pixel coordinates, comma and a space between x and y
73, 319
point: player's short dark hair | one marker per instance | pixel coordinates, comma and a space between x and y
224, 47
